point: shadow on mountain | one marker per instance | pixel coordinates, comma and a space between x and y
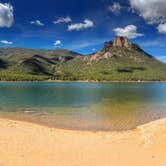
3, 64
34, 66
130, 69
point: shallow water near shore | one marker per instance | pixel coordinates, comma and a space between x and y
84, 106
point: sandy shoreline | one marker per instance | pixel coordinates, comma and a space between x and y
28, 144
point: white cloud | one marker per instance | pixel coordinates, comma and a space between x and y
6, 42
115, 8
63, 20
83, 45
153, 11
92, 43
57, 43
80, 26
150, 43
162, 58
129, 31
37, 22
6, 15
93, 49
162, 28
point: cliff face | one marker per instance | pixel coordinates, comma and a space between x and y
120, 47
112, 48
119, 42
122, 42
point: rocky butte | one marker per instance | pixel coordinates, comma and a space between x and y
120, 41
117, 47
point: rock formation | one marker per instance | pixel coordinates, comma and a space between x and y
120, 47
120, 41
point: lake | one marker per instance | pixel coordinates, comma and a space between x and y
84, 106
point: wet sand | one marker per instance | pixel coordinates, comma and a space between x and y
28, 144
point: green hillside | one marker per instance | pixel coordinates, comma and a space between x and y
119, 60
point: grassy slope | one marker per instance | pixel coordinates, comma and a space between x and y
28, 64
131, 66
125, 65
122, 70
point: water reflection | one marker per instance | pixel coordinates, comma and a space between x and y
85, 106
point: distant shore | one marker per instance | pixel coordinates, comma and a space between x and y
94, 81
23, 143
90, 81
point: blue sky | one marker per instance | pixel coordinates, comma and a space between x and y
83, 25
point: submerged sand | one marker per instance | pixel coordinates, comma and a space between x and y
28, 144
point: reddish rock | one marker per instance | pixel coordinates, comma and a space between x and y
107, 55
120, 41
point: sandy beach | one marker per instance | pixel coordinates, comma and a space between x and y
28, 144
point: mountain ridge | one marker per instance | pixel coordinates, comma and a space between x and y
119, 60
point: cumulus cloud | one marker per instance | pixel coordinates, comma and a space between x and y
57, 43
80, 26
129, 31
63, 20
37, 22
6, 15
6, 42
115, 8
162, 28
162, 58
93, 49
92, 43
153, 11
151, 43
